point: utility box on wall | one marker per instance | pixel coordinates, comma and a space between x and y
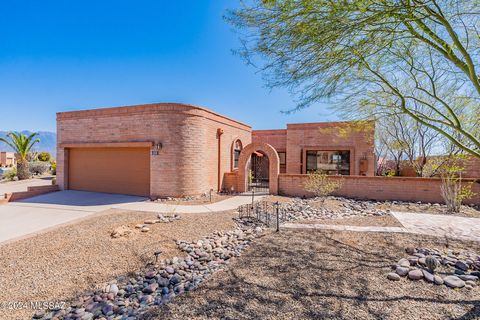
363, 167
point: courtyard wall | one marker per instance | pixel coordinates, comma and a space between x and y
377, 188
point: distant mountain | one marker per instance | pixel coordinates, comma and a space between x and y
48, 142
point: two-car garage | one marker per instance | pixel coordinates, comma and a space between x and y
124, 169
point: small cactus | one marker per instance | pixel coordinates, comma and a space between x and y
432, 263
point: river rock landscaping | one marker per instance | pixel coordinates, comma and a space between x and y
61, 264
126, 231
129, 297
452, 268
289, 274
323, 275
307, 209
332, 207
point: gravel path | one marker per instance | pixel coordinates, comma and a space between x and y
324, 275
59, 264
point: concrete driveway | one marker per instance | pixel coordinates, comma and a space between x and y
25, 217
22, 218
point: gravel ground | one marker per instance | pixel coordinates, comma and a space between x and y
324, 275
383, 221
59, 264
195, 200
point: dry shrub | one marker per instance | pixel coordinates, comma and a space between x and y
453, 190
321, 184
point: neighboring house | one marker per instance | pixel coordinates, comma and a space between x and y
171, 149
7, 159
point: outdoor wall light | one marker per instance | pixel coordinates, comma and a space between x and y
156, 149
158, 146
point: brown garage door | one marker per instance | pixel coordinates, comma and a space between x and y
111, 170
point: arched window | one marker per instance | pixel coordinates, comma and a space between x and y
237, 148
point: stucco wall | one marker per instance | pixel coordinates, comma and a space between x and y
188, 161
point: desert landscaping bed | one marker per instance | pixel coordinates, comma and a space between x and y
332, 275
62, 263
348, 206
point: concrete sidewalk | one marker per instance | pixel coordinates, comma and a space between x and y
419, 223
440, 225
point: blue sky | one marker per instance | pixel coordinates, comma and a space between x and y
71, 55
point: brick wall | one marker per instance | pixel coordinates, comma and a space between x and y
358, 138
275, 138
31, 192
297, 139
188, 161
472, 168
230, 181
377, 188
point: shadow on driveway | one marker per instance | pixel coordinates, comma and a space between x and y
82, 198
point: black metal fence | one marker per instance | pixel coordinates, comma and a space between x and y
269, 213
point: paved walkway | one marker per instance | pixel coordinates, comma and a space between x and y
29, 216
419, 223
440, 225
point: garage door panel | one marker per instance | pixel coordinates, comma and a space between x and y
112, 170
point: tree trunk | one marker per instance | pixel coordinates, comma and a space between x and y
22, 170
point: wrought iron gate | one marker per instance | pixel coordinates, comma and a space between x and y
258, 174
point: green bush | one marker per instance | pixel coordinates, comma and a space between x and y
11, 174
44, 157
54, 168
38, 167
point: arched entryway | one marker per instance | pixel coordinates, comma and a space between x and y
259, 152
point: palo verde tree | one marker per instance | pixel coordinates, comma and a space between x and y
373, 58
22, 145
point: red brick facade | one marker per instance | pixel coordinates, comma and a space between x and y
297, 139
197, 151
188, 162
273, 168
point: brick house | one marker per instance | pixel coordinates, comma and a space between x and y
171, 149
